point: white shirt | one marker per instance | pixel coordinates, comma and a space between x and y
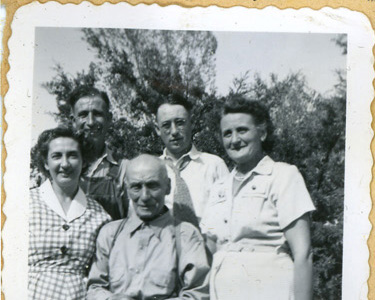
76, 209
272, 196
199, 175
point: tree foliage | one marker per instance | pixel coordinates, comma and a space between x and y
139, 67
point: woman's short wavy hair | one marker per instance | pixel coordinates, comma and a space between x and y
41, 149
241, 104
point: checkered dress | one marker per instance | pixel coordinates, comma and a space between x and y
60, 251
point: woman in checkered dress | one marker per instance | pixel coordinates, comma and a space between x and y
63, 223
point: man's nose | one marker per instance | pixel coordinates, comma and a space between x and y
145, 194
174, 129
90, 119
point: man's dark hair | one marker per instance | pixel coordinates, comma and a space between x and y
86, 91
174, 99
46, 137
241, 104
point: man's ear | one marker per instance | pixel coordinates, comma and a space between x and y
71, 117
46, 166
85, 164
155, 121
157, 129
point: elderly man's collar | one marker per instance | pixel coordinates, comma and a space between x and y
156, 224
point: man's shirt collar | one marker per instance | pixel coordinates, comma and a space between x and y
157, 225
107, 155
193, 153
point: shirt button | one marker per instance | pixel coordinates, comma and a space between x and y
64, 249
254, 187
65, 227
225, 221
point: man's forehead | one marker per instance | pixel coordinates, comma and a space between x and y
146, 165
91, 102
144, 173
137, 177
170, 111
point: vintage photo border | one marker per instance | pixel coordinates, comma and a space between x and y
365, 7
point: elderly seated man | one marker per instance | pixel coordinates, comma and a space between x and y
149, 255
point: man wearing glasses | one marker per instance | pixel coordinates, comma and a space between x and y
197, 170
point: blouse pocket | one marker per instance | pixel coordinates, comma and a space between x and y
250, 204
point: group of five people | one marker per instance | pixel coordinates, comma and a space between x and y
183, 226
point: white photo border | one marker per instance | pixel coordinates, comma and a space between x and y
360, 93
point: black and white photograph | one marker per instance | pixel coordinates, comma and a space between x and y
189, 163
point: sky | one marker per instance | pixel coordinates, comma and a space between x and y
315, 55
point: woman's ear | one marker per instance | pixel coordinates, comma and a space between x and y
85, 166
263, 136
263, 132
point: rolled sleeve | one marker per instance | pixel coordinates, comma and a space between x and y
293, 199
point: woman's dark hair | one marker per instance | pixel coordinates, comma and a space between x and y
46, 137
241, 104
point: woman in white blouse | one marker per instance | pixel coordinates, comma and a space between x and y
257, 221
63, 223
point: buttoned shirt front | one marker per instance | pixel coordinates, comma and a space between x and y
104, 181
143, 263
203, 170
101, 166
271, 197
